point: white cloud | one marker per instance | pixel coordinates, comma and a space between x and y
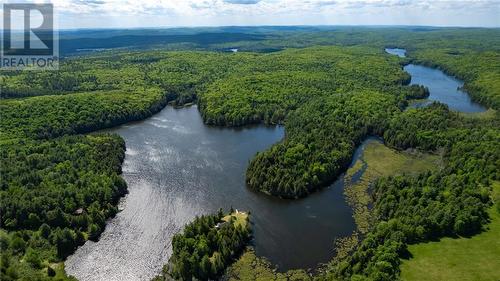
150, 13
242, 2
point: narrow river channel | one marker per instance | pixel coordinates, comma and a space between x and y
442, 87
177, 168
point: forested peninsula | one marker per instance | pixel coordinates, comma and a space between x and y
60, 179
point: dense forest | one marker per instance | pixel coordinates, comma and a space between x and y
265, 39
207, 246
55, 195
57, 191
478, 70
58, 187
410, 209
319, 146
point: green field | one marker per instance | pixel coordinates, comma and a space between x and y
331, 90
464, 259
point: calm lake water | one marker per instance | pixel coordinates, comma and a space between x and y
442, 87
396, 51
177, 168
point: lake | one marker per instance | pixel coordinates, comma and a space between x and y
397, 52
177, 168
442, 87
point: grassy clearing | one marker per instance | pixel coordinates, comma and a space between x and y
241, 218
381, 161
464, 259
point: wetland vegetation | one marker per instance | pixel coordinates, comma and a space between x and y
59, 186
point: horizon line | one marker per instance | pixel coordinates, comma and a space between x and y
281, 25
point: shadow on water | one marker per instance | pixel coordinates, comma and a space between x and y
177, 168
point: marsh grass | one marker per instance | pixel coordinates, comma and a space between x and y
251, 267
380, 161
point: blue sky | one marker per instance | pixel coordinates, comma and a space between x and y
165, 13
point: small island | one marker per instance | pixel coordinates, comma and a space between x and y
207, 246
